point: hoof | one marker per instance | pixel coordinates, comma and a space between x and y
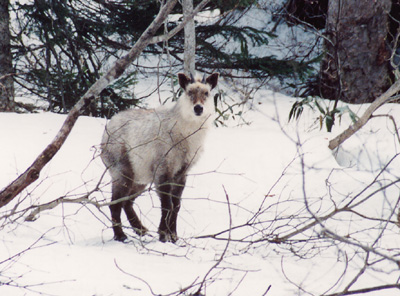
140, 231
120, 237
168, 237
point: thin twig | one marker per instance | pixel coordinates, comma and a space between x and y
366, 290
226, 246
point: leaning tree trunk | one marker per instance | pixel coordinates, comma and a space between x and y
355, 68
6, 70
117, 69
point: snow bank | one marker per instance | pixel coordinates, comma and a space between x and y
262, 179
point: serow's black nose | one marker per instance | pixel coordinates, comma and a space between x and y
198, 110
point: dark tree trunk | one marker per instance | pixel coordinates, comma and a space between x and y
356, 68
312, 12
6, 70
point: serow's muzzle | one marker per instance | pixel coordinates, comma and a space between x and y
198, 110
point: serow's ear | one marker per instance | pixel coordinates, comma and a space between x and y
212, 80
183, 80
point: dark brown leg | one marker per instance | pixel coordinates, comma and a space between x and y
176, 194
170, 195
164, 192
124, 186
131, 214
118, 192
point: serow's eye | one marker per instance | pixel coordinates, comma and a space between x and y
206, 93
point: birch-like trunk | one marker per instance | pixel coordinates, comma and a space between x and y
190, 38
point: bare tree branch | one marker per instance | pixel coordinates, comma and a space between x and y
178, 28
226, 246
367, 290
382, 99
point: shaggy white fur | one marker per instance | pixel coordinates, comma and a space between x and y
163, 140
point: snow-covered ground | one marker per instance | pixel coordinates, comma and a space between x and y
263, 180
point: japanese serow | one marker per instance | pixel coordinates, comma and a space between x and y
157, 147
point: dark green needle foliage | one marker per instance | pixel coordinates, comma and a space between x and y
61, 46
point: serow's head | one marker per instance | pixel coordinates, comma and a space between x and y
198, 93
